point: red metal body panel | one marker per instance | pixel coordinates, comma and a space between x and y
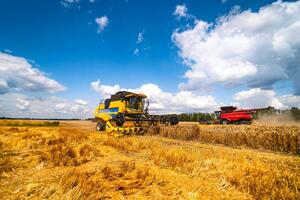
236, 116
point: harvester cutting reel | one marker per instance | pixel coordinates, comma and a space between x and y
135, 124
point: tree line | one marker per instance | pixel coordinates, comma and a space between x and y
295, 113
196, 117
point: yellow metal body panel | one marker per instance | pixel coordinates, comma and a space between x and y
110, 112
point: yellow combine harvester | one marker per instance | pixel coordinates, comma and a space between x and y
127, 113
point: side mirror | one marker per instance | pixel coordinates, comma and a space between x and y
146, 108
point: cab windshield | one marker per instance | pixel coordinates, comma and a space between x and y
136, 103
217, 114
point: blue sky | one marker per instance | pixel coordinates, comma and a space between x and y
63, 40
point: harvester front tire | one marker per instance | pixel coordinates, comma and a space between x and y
101, 126
174, 120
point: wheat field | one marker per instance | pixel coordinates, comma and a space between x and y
267, 137
72, 161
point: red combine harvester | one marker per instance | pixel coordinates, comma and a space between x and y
232, 115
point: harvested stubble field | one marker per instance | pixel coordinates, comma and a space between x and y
68, 162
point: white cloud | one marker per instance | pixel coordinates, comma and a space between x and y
257, 49
102, 22
80, 108
135, 52
68, 3
181, 11
140, 37
61, 107
75, 108
20, 105
92, 1
104, 90
223, 1
161, 101
257, 97
18, 74
290, 100
81, 102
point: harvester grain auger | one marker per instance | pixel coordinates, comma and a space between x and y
126, 113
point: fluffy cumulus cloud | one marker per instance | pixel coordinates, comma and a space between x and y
104, 90
257, 97
160, 101
256, 49
181, 11
21, 105
18, 74
102, 23
290, 100
81, 102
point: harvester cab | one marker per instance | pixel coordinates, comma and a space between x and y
127, 113
135, 103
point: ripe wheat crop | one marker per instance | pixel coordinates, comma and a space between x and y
275, 138
77, 163
28, 123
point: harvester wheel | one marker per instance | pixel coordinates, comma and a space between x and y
225, 122
244, 122
174, 120
101, 126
